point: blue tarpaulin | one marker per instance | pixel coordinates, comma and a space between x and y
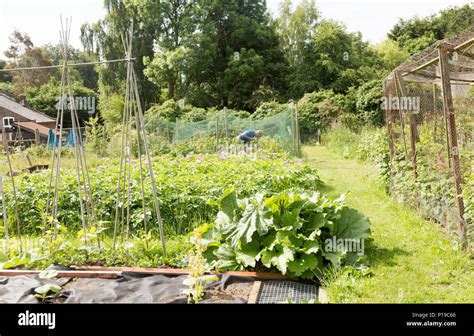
54, 140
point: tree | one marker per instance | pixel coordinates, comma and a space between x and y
316, 110
20, 42
46, 98
7, 88
417, 33
22, 53
104, 38
363, 105
243, 75
296, 28
87, 75
5, 77
169, 67
333, 59
215, 53
180, 19
111, 109
392, 55
239, 52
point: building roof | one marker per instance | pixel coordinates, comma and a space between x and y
26, 112
32, 126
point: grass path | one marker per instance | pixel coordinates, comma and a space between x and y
410, 259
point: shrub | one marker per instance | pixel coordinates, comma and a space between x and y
194, 114
317, 110
95, 136
268, 109
111, 108
169, 110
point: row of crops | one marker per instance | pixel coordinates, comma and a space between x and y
261, 211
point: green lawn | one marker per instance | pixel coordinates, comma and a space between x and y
410, 259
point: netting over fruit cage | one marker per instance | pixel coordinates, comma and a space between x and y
224, 126
429, 112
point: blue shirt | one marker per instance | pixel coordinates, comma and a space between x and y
248, 133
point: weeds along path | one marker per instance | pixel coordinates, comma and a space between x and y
410, 259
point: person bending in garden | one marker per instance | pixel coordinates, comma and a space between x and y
249, 135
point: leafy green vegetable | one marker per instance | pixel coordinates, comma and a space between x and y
286, 231
351, 225
45, 289
14, 262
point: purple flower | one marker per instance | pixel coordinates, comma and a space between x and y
199, 159
223, 155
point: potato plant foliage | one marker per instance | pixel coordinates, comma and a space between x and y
187, 187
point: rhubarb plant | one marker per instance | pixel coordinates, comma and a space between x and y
285, 231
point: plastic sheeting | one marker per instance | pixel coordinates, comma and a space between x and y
135, 288
21, 289
128, 288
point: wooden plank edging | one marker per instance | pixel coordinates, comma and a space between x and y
254, 292
66, 274
176, 271
115, 272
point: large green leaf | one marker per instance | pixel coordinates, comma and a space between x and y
248, 254
255, 218
224, 224
291, 220
14, 262
269, 240
351, 225
48, 274
303, 263
289, 238
45, 289
314, 221
209, 233
279, 257
286, 209
226, 258
311, 246
228, 203
284, 231
334, 257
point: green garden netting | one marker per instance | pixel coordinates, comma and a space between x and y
225, 126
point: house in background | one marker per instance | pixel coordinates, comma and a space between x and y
17, 119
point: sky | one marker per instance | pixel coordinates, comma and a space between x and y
41, 18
